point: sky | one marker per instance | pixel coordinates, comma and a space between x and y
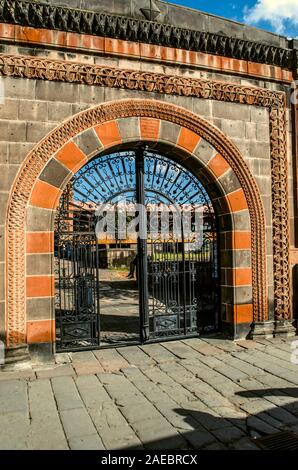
278, 16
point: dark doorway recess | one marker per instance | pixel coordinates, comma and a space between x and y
156, 277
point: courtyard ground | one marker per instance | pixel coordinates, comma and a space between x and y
204, 393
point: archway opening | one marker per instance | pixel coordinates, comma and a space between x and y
136, 252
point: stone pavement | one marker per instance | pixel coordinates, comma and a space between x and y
207, 393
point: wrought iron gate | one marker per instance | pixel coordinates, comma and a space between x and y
177, 270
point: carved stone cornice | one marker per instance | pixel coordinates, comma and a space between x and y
274, 101
39, 15
98, 75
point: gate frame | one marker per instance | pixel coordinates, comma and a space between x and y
194, 141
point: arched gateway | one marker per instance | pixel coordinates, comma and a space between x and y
135, 139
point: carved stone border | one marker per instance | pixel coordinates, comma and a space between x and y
275, 102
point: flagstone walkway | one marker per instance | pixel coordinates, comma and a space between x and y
206, 393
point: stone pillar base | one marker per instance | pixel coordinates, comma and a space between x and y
262, 330
16, 354
285, 328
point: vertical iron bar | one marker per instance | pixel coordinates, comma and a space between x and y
97, 309
142, 248
184, 276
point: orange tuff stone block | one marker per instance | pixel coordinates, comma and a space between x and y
28, 34
7, 31
118, 46
73, 40
71, 156
40, 242
201, 59
60, 38
234, 65
237, 200
150, 51
149, 128
108, 133
243, 313
168, 54
287, 75
97, 43
188, 139
260, 70
44, 195
41, 331
239, 277
218, 165
241, 240
214, 61
39, 286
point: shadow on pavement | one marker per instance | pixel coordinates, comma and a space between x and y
211, 432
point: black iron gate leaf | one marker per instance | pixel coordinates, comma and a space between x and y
177, 274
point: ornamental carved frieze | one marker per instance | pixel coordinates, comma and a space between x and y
45, 69
40, 15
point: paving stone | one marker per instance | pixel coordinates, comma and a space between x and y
111, 360
139, 412
17, 374
45, 419
252, 384
248, 344
272, 381
211, 361
92, 391
158, 353
255, 424
92, 442
203, 348
66, 393
216, 446
112, 427
232, 373
208, 420
118, 387
58, 371
135, 356
257, 405
77, 423
14, 431
199, 439
181, 350
182, 422
158, 434
244, 444
150, 390
179, 395
88, 369
85, 357
225, 345
62, 358
282, 415
13, 396
230, 413
228, 434
243, 366
85, 363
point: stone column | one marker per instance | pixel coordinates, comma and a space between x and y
287, 327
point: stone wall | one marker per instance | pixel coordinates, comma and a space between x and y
32, 108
